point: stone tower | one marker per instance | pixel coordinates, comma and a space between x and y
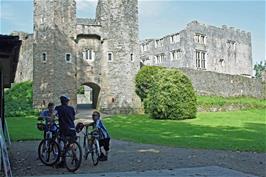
120, 54
54, 58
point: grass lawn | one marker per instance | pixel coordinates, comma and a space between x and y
23, 128
242, 130
251, 103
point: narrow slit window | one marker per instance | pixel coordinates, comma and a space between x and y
110, 56
131, 57
68, 57
44, 57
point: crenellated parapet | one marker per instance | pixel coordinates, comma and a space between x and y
223, 29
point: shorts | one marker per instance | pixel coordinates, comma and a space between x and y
105, 143
69, 135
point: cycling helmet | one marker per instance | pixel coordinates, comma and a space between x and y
79, 127
64, 99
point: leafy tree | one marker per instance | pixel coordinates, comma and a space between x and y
259, 68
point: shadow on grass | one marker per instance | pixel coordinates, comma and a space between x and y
248, 137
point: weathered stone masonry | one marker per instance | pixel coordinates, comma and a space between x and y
202, 47
102, 53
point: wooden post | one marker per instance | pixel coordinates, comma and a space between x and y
2, 100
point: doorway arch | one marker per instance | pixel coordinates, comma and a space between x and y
88, 96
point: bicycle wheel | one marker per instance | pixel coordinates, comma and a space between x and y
85, 147
95, 152
73, 157
48, 152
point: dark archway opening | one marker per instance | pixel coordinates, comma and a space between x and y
88, 95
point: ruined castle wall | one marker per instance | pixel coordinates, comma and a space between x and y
227, 50
218, 84
25, 63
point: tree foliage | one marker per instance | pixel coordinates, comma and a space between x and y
169, 96
145, 78
259, 68
18, 100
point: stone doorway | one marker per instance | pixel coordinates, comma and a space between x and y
87, 96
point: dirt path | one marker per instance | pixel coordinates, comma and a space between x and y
127, 156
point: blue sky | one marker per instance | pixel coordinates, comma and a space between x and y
159, 18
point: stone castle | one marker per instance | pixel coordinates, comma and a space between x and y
102, 53
66, 52
202, 47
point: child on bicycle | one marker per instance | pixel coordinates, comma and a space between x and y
49, 116
104, 140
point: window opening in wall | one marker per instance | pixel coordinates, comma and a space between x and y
156, 43
68, 57
89, 55
201, 59
174, 38
175, 54
110, 56
231, 44
131, 57
200, 38
156, 59
44, 57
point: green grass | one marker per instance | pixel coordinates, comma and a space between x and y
247, 102
242, 130
23, 128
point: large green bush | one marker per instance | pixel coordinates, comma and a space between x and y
171, 97
145, 78
18, 100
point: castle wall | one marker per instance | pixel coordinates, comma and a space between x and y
119, 21
25, 64
227, 50
54, 28
218, 84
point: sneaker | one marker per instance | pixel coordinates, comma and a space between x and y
104, 158
60, 165
101, 155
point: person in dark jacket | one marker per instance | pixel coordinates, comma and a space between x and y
66, 117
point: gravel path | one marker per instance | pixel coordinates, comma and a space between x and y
127, 156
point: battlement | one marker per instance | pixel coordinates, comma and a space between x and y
231, 30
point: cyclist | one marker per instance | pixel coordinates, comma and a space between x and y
66, 117
104, 140
49, 116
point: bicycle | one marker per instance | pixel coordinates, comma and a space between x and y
48, 149
58, 147
71, 153
91, 143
